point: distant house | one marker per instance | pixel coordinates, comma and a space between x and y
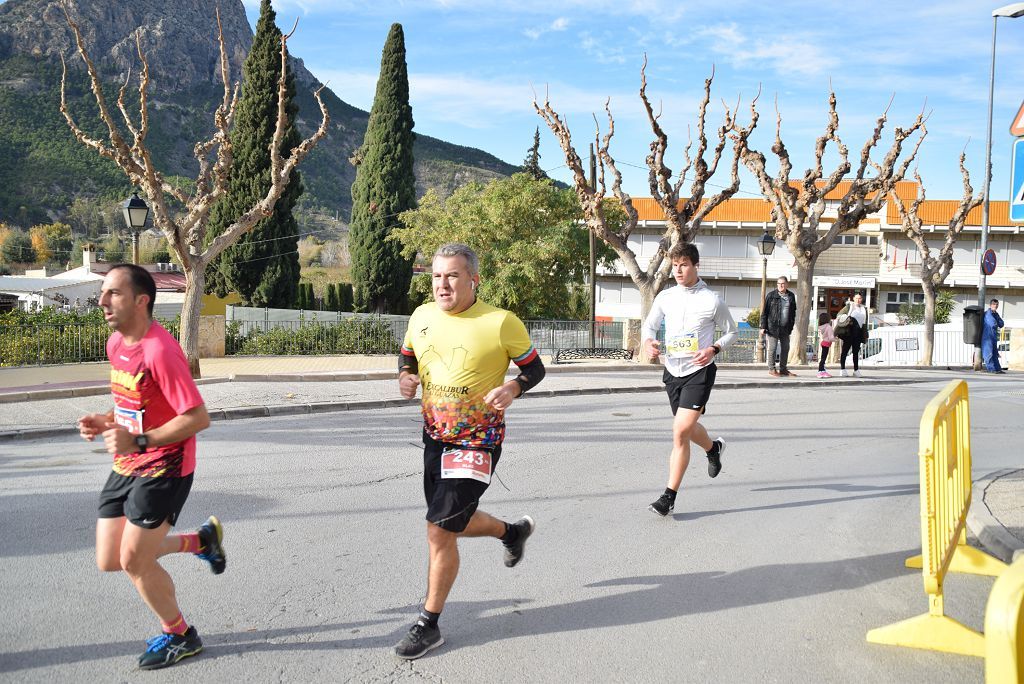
75, 287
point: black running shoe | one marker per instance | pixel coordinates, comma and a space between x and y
421, 639
211, 534
663, 506
164, 650
715, 457
514, 552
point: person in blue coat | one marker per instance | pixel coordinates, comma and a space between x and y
990, 338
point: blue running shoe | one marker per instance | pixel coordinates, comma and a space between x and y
164, 650
211, 534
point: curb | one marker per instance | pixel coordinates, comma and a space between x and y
71, 392
996, 539
242, 412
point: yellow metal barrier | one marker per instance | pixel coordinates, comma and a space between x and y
945, 464
1004, 628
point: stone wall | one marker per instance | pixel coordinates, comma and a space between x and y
211, 337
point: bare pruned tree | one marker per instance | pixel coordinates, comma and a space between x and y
935, 267
682, 218
798, 206
186, 231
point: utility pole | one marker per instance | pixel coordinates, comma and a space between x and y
593, 256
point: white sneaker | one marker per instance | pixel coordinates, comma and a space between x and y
856, 373
844, 374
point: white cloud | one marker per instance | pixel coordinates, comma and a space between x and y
785, 54
559, 24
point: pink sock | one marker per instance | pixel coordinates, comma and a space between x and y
177, 626
189, 543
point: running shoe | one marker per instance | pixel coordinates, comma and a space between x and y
844, 374
421, 639
514, 552
787, 373
774, 373
856, 373
715, 457
164, 650
663, 506
211, 534
823, 374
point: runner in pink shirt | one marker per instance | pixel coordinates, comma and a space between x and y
151, 435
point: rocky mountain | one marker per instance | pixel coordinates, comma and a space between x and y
44, 168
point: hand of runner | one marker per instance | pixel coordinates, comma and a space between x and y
407, 384
91, 425
653, 348
118, 440
501, 397
704, 356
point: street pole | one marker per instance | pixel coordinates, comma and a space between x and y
135, 247
1012, 12
593, 255
764, 283
988, 182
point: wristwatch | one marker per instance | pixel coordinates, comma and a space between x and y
142, 442
716, 348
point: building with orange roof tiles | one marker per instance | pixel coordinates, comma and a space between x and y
877, 260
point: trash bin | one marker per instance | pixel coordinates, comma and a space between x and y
972, 325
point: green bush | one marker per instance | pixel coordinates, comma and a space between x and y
52, 336
754, 317
349, 336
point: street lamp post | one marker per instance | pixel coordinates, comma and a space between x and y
135, 213
765, 247
1011, 12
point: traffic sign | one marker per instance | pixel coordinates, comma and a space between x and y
1017, 182
988, 262
1017, 126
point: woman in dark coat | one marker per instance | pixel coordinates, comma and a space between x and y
852, 331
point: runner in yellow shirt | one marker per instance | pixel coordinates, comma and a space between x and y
458, 349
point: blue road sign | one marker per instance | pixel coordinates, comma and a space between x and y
1017, 182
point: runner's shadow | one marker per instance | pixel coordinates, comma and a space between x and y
663, 597
216, 645
907, 490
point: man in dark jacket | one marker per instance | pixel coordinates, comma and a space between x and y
777, 318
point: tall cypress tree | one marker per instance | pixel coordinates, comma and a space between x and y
384, 187
531, 164
263, 266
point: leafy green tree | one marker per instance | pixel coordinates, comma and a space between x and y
384, 187
534, 254
531, 165
263, 266
944, 306
52, 242
18, 249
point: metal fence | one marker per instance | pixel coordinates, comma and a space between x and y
55, 343
252, 331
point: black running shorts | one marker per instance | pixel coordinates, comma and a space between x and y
146, 501
450, 502
690, 391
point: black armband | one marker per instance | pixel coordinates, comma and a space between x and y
530, 375
408, 364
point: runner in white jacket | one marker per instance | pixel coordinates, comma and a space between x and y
691, 311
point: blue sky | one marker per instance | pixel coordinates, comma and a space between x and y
474, 65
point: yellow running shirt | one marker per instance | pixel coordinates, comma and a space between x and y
461, 358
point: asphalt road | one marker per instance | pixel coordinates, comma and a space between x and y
774, 571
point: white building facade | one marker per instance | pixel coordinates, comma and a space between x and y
877, 260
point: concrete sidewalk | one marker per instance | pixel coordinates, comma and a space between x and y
46, 401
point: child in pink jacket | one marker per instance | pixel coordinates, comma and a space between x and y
827, 336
